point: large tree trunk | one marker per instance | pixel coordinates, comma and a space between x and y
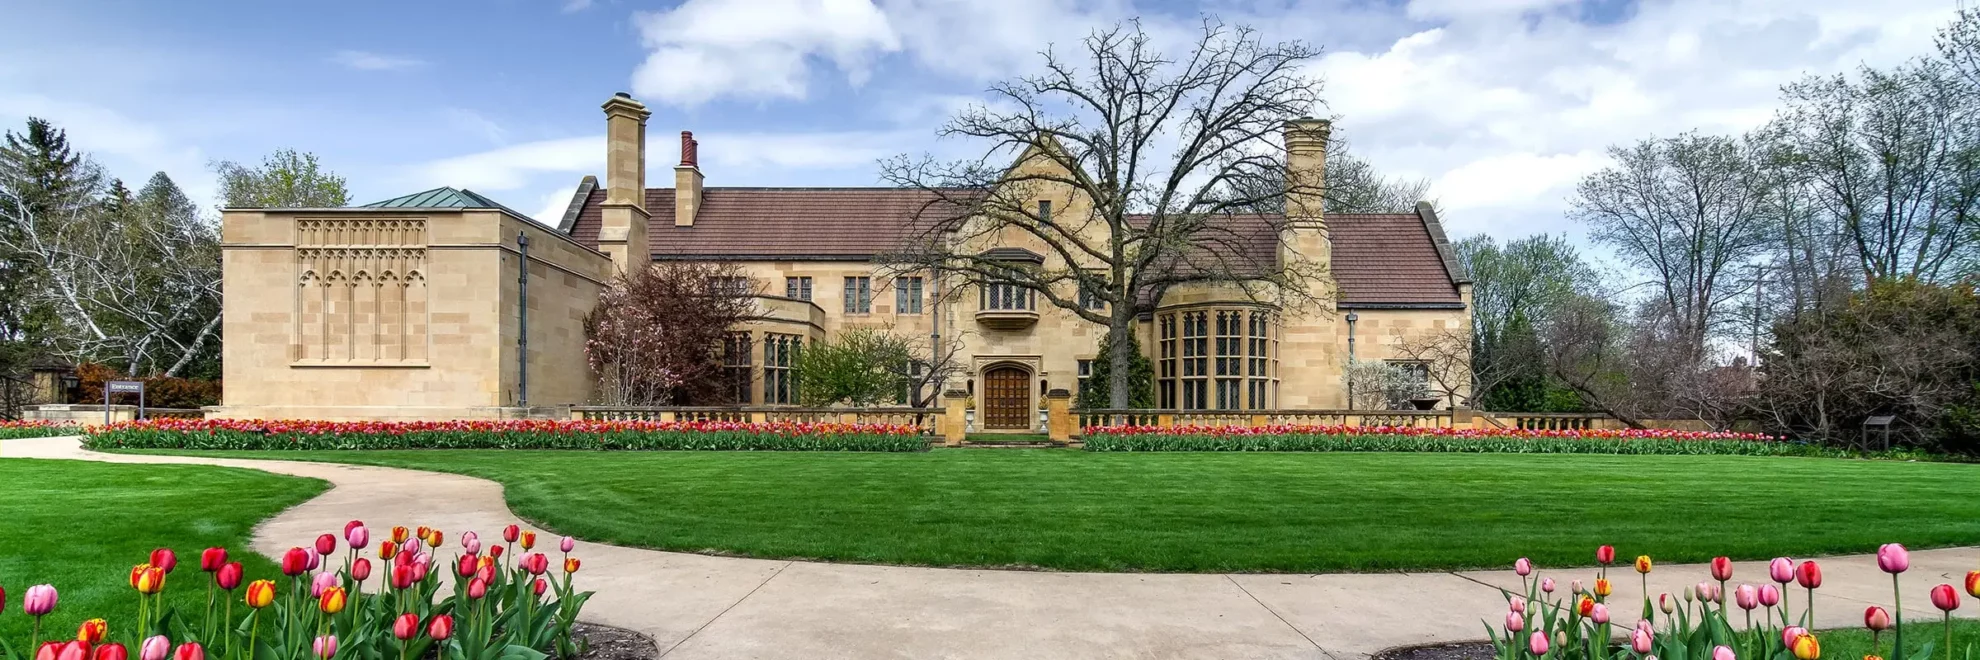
1120, 358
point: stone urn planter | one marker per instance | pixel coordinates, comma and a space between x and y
1429, 403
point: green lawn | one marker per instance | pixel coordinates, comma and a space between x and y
81, 526
1853, 643
1076, 510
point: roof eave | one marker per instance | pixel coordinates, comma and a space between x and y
1452, 267
569, 221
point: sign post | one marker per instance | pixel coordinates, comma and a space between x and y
123, 387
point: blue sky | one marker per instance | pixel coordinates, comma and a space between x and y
1503, 104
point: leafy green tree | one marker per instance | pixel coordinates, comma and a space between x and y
860, 366
285, 179
1095, 395
1518, 286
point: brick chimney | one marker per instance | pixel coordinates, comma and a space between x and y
623, 215
687, 182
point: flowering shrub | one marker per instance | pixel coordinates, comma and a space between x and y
34, 428
503, 434
1700, 624
1437, 439
504, 604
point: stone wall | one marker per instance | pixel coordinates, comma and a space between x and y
336, 313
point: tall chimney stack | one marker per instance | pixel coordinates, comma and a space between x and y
687, 182
1306, 171
623, 215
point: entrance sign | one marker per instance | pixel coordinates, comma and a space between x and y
122, 387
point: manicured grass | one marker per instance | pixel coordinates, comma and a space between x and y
1075, 510
1853, 643
80, 526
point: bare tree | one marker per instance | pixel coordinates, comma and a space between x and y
1686, 211
1446, 358
653, 339
1144, 155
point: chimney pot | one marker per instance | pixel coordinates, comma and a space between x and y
690, 150
623, 95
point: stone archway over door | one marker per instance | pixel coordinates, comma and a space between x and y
1006, 398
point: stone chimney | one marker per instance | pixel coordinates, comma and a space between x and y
1306, 171
687, 182
623, 215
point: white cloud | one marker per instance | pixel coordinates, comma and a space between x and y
1427, 9
130, 147
755, 48
515, 166
369, 61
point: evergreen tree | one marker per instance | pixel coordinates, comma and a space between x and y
42, 181
1094, 395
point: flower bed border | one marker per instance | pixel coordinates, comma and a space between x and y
35, 428
613, 435
1333, 438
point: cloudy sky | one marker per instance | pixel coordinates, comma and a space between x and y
1503, 104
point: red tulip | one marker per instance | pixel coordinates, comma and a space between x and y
536, 563
1945, 598
326, 544
495, 551
353, 525
406, 626
211, 559
111, 651
164, 559
48, 651
295, 561
540, 586
402, 576
485, 573
441, 627
189, 651
361, 569
466, 566
1605, 555
1808, 574
1877, 619
477, 588
510, 533
1722, 568
1893, 558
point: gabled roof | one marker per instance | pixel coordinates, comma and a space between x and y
1394, 260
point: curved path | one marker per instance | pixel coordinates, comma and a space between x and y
699, 606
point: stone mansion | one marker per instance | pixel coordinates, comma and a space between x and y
445, 304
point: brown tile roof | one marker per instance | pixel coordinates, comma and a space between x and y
1379, 259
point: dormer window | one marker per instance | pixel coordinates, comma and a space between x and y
1044, 211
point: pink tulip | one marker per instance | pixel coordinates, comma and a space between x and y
155, 647
1520, 566
1707, 592
1781, 570
1722, 568
1877, 619
1537, 643
325, 646
1723, 653
1945, 597
471, 542
410, 547
1770, 595
1574, 587
1517, 604
1746, 596
1640, 641
314, 560
357, 536
567, 544
39, 600
1893, 558
1547, 585
1789, 633
324, 580
1600, 613
1515, 622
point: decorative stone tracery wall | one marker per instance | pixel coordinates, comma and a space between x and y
361, 296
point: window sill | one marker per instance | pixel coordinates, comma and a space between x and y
360, 364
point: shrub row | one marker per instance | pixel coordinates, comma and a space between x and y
514, 434
1378, 441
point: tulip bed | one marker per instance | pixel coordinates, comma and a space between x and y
1335, 438
1714, 620
207, 434
510, 603
34, 428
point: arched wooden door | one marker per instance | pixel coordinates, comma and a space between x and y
1006, 398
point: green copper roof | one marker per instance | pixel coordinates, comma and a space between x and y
444, 198
438, 198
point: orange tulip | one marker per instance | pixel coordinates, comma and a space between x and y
332, 601
435, 538
1973, 583
387, 549
1643, 563
422, 533
1806, 648
528, 540
571, 565
148, 579
260, 593
1585, 607
399, 534
1603, 588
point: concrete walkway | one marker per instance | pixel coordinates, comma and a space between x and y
699, 606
